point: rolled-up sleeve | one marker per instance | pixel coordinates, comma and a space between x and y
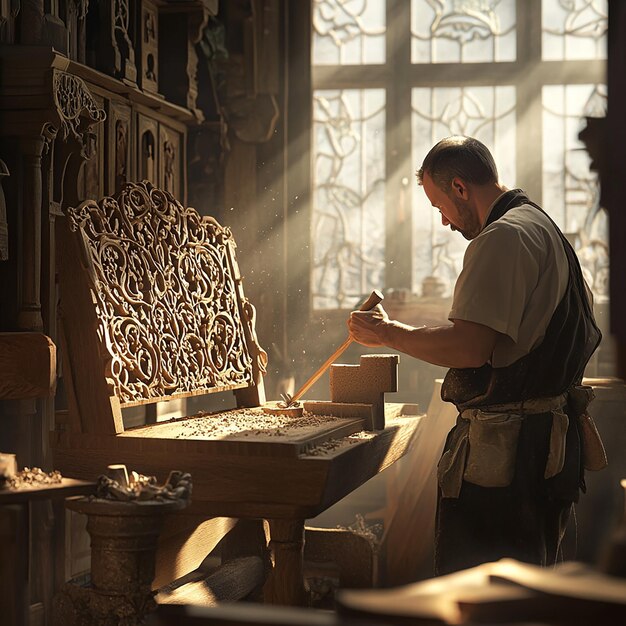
498, 277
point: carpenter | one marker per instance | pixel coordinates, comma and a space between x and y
520, 332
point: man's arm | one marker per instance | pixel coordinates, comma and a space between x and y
460, 344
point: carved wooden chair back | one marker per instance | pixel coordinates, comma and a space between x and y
152, 308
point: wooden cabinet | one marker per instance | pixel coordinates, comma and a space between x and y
137, 141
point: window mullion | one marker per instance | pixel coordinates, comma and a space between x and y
400, 170
529, 137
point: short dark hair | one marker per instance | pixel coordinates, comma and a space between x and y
462, 157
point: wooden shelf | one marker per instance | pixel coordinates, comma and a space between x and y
66, 488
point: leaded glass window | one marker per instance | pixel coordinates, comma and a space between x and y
462, 31
393, 78
349, 196
571, 192
348, 32
487, 113
574, 29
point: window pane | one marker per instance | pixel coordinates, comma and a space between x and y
487, 113
348, 32
462, 31
348, 195
574, 29
571, 193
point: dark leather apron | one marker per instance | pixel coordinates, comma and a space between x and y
525, 520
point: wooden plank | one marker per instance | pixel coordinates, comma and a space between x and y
373, 456
411, 499
355, 409
27, 366
251, 432
201, 391
66, 488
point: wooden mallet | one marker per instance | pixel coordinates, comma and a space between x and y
374, 298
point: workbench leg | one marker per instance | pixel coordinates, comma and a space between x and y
285, 584
14, 555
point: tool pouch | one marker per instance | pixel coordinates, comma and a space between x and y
594, 454
492, 448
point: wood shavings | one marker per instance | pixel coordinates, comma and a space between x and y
247, 422
32, 477
140, 487
372, 532
328, 448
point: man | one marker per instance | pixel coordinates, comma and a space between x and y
521, 332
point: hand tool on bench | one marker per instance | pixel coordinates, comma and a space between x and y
374, 298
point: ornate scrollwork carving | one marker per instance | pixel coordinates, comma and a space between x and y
48, 134
124, 51
171, 318
75, 105
260, 356
80, 7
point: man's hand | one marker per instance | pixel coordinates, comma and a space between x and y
459, 344
367, 327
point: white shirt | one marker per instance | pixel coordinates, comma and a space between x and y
515, 273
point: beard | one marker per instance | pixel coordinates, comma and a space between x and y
468, 226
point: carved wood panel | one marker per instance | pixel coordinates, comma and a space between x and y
115, 52
92, 174
172, 319
120, 144
147, 149
149, 32
170, 160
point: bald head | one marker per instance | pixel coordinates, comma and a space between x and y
459, 157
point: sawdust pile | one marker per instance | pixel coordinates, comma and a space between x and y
247, 422
32, 477
328, 448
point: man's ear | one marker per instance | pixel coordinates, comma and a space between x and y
459, 188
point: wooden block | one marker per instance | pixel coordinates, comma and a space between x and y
27, 366
366, 383
354, 555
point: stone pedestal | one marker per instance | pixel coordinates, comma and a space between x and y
124, 539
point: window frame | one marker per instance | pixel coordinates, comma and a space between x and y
528, 73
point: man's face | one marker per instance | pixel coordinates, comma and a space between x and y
455, 207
